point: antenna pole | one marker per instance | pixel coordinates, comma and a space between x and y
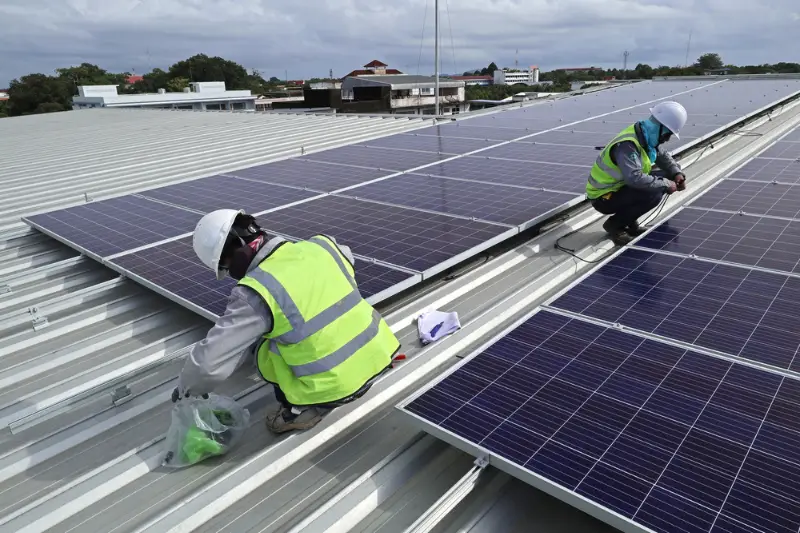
436, 60
625, 65
688, 44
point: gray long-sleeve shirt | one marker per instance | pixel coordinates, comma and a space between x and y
627, 158
231, 342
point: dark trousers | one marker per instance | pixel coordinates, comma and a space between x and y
627, 205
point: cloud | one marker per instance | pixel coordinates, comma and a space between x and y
306, 38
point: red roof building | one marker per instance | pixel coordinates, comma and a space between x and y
375, 64
373, 68
133, 79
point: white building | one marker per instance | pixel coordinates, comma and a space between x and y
406, 94
201, 96
511, 77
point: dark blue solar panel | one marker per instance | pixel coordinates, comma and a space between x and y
175, 268
383, 158
495, 203
735, 310
313, 175
427, 143
782, 150
670, 439
404, 237
216, 192
111, 226
570, 137
751, 197
557, 177
755, 241
794, 135
544, 153
769, 170
468, 131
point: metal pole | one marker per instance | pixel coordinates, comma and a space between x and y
436, 59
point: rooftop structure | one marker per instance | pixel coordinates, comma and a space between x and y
473, 80
88, 358
201, 96
516, 77
404, 93
372, 68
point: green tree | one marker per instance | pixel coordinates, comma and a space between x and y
709, 62
643, 71
177, 85
3, 108
30, 94
203, 68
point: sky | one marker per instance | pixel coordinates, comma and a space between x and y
306, 38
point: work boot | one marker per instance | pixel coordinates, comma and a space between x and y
283, 419
634, 230
618, 236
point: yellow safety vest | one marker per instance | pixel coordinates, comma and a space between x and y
606, 176
327, 342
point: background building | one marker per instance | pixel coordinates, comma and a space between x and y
513, 76
473, 80
201, 96
402, 94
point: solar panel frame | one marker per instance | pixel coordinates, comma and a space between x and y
782, 150
793, 135
312, 175
379, 158
617, 449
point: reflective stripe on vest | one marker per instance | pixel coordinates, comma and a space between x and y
301, 328
339, 356
610, 178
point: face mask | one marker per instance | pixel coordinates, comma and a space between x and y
242, 257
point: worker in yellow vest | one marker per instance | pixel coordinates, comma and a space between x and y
622, 183
297, 310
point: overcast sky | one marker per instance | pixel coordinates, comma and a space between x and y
308, 37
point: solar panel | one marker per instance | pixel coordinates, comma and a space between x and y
759, 169
173, 268
570, 137
463, 129
427, 143
783, 150
494, 203
735, 310
754, 241
111, 226
553, 176
416, 240
772, 199
643, 435
794, 135
383, 158
215, 192
303, 173
544, 153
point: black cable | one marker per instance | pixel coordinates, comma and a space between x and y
573, 253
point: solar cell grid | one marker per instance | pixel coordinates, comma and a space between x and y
216, 192
413, 239
783, 150
112, 226
382, 158
755, 198
427, 143
759, 169
313, 175
735, 310
569, 178
754, 241
175, 268
794, 135
495, 203
461, 129
672, 440
571, 138
544, 153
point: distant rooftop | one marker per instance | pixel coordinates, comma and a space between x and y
375, 63
108, 96
402, 81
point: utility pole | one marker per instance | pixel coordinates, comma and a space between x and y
436, 59
688, 45
625, 65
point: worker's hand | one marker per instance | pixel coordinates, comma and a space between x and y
177, 394
680, 181
671, 187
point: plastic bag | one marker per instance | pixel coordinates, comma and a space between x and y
202, 428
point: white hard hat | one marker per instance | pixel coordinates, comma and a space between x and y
210, 236
671, 115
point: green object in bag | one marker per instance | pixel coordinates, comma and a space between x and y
198, 445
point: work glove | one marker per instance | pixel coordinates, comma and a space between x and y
178, 394
680, 181
671, 187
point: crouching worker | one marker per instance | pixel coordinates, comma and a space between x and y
297, 310
622, 183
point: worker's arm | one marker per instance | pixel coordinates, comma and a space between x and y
627, 158
345, 250
665, 162
225, 348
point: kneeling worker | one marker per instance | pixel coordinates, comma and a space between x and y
297, 309
621, 183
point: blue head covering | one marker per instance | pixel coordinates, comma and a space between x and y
650, 128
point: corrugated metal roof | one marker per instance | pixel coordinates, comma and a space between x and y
54, 160
72, 332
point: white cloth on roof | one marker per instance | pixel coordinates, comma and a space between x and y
433, 325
